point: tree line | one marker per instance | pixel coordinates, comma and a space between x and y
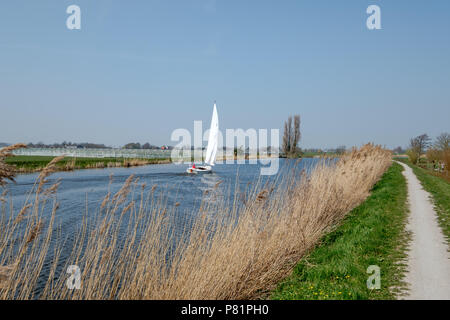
65, 144
437, 151
88, 145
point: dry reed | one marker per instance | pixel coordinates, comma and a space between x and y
25, 238
129, 250
7, 172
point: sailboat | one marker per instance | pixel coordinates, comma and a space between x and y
211, 150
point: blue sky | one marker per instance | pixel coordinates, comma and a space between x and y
137, 70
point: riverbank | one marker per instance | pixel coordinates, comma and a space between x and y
30, 164
229, 250
372, 234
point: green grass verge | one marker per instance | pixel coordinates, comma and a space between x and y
439, 189
33, 163
319, 154
371, 234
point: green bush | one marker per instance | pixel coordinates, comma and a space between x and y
413, 155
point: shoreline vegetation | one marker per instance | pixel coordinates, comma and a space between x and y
126, 249
32, 164
372, 234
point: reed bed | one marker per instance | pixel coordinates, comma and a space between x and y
31, 164
232, 250
25, 237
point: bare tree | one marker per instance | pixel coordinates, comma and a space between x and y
291, 136
146, 146
286, 138
296, 134
420, 144
291, 140
442, 142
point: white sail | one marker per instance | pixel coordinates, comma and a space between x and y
213, 141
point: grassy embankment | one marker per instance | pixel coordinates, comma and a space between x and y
372, 234
439, 189
37, 163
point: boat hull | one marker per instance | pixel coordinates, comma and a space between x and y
200, 169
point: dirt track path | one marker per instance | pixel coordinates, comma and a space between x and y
428, 273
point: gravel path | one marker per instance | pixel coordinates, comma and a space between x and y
428, 273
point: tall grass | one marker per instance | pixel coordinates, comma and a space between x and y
25, 237
129, 249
